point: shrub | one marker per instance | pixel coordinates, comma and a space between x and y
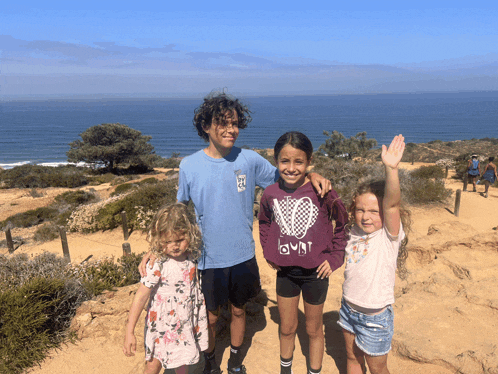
35, 176
106, 274
39, 297
95, 180
27, 331
123, 188
347, 175
46, 233
75, 198
30, 218
425, 191
157, 161
427, 172
148, 197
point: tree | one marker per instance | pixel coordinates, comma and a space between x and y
338, 145
111, 144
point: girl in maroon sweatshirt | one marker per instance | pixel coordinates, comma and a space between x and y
300, 242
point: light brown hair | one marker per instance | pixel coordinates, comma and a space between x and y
174, 219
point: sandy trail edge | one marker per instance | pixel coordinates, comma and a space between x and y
99, 355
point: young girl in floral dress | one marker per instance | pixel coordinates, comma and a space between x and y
176, 323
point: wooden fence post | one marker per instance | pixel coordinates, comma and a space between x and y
457, 202
447, 171
126, 249
465, 182
65, 247
124, 220
8, 238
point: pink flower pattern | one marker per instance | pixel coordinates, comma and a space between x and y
178, 333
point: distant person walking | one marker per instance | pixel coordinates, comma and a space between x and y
474, 170
489, 176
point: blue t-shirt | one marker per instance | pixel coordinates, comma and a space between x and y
222, 190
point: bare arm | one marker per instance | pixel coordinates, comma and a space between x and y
321, 184
392, 195
130, 342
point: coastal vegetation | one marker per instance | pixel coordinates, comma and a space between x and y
111, 144
39, 295
337, 145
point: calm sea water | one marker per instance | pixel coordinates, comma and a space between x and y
40, 131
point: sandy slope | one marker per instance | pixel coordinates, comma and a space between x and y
100, 351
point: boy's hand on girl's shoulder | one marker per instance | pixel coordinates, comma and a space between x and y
321, 184
151, 259
324, 270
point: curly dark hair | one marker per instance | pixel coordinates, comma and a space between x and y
215, 106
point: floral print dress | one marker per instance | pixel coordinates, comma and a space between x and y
176, 322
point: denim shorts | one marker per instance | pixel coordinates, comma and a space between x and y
373, 333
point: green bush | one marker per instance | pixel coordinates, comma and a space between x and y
427, 172
75, 198
95, 180
123, 188
39, 297
26, 328
46, 233
106, 274
346, 176
157, 161
150, 180
426, 191
35, 176
30, 218
147, 198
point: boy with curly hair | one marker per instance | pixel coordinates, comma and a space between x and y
220, 180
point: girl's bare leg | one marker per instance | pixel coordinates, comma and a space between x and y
377, 364
153, 366
355, 356
182, 369
314, 328
287, 307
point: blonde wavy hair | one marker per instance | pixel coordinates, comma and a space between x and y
174, 219
377, 188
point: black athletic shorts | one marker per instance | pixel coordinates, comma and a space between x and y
236, 284
291, 280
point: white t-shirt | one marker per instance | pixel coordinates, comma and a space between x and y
371, 267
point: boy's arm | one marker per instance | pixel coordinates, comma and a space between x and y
339, 214
264, 218
392, 196
322, 185
141, 297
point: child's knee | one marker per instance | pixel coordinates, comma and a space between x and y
238, 312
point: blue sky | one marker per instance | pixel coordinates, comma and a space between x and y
256, 47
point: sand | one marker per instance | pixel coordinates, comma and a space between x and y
103, 354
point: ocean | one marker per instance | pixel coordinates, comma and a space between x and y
39, 132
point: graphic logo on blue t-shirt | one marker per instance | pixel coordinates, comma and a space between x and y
241, 181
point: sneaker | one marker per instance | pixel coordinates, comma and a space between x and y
240, 370
213, 371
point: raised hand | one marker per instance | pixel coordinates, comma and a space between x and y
392, 156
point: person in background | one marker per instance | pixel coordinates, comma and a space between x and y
489, 175
473, 171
